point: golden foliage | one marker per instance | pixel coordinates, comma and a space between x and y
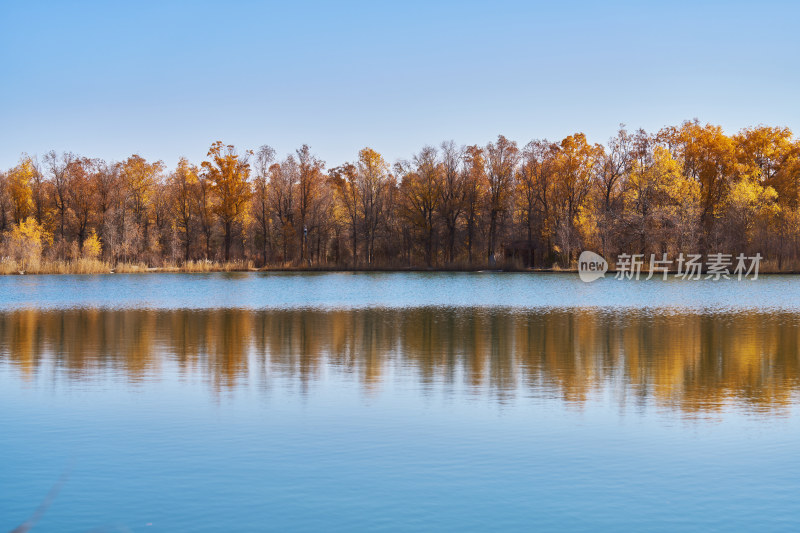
92, 247
24, 243
686, 188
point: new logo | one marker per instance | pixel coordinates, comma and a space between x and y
591, 266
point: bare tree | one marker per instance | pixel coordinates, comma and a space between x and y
57, 166
261, 210
501, 162
453, 193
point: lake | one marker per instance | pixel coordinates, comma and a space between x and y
399, 401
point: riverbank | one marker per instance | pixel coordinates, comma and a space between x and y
95, 266
92, 266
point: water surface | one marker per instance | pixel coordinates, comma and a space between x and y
399, 401
326, 290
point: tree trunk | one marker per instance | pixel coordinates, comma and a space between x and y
227, 240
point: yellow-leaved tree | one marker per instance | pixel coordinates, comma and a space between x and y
24, 243
229, 174
139, 180
182, 186
682, 208
92, 247
750, 208
661, 204
576, 165
19, 188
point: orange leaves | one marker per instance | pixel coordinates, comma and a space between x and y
686, 186
19, 188
229, 175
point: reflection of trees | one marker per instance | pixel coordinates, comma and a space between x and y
696, 362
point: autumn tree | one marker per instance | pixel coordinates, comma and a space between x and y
452, 193
309, 193
706, 155
6, 218
322, 222
645, 192
57, 165
264, 158
165, 244
501, 161
18, 183
204, 205
139, 179
344, 179
750, 208
576, 169
475, 186
105, 188
81, 195
373, 181
282, 199
182, 183
769, 157
39, 190
534, 194
420, 190
229, 174
613, 167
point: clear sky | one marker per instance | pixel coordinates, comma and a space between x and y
166, 79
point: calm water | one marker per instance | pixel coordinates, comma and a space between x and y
250, 402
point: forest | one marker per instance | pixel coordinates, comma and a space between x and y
690, 188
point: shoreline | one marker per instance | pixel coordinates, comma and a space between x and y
67, 270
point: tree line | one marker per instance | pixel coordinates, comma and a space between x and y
688, 188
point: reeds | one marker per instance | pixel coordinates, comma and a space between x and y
210, 266
96, 266
10, 266
76, 266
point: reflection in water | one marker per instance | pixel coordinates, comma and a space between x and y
693, 362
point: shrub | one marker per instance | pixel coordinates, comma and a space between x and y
23, 244
92, 246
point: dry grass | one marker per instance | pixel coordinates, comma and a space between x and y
78, 266
769, 266
96, 266
210, 266
9, 266
131, 268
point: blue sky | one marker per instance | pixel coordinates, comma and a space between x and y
166, 79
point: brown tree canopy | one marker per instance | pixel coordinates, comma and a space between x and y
690, 188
